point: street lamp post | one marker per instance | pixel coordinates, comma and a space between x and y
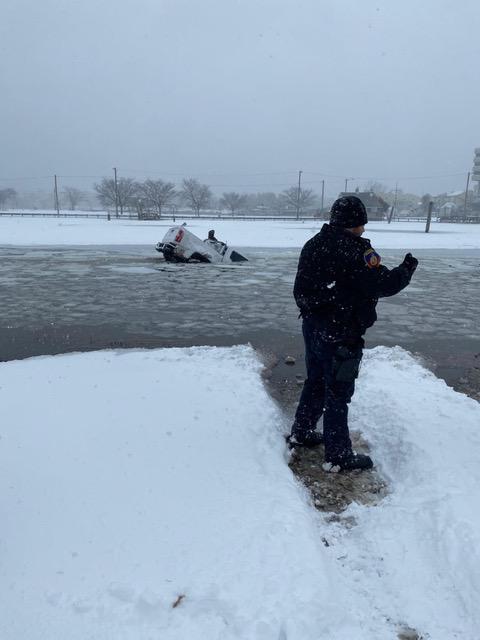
298, 193
116, 192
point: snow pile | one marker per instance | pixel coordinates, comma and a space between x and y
145, 494
420, 551
238, 233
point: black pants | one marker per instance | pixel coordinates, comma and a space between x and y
329, 387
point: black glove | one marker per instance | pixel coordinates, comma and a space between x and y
410, 262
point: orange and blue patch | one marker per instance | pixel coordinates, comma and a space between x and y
372, 259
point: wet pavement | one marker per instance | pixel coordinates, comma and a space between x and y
59, 299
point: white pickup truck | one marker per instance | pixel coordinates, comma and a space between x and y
181, 245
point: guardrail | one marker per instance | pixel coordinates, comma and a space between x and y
177, 217
174, 217
411, 219
38, 214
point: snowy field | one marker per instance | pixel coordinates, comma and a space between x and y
146, 494
240, 233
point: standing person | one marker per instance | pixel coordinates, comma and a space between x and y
339, 280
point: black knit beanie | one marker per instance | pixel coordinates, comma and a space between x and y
348, 212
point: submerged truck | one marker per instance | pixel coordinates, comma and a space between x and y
181, 245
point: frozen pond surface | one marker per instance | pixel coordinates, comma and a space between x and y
57, 299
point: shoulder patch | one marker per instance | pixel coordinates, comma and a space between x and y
372, 259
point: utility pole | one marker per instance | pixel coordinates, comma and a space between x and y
429, 216
347, 180
323, 195
55, 196
116, 192
466, 196
298, 193
394, 204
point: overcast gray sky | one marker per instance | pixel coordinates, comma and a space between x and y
225, 89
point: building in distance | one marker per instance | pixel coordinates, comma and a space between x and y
376, 206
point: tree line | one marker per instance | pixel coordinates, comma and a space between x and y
155, 195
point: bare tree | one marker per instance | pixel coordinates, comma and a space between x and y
298, 199
405, 200
73, 196
266, 201
106, 192
127, 189
376, 187
195, 194
233, 201
6, 195
157, 193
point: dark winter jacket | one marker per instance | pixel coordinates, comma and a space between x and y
339, 280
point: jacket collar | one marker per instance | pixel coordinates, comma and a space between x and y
341, 232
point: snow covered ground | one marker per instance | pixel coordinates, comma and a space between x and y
239, 233
134, 481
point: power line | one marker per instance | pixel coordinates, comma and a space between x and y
323, 175
80, 176
211, 173
390, 179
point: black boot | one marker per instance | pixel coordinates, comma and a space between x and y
308, 439
349, 462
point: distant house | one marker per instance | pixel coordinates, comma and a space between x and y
448, 209
375, 205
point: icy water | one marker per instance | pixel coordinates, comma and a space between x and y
78, 298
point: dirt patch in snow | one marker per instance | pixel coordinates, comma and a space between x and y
333, 492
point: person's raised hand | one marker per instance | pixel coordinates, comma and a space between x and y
410, 262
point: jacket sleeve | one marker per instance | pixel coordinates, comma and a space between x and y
379, 282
